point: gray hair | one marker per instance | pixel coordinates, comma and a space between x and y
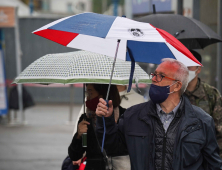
182, 73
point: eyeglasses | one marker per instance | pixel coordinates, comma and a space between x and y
159, 77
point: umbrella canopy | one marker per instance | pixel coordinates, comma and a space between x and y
79, 67
100, 33
191, 32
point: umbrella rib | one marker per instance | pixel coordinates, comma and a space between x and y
197, 24
201, 46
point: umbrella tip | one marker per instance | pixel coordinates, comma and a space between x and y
154, 9
178, 32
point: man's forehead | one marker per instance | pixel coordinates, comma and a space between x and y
166, 68
160, 72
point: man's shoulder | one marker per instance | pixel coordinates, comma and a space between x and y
201, 114
136, 109
138, 106
210, 90
133, 116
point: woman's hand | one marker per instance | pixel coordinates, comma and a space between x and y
82, 128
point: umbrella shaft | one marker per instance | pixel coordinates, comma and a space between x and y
114, 61
84, 98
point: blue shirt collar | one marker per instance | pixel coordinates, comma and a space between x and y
159, 109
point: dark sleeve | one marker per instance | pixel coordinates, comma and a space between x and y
211, 149
121, 111
114, 140
75, 149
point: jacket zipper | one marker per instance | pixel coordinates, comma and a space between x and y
164, 151
164, 142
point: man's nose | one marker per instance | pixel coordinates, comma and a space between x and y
154, 79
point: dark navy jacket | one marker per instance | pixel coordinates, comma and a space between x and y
195, 147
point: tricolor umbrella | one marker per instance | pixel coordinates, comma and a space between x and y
117, 37
100, 33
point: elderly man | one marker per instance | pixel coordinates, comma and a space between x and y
165, 133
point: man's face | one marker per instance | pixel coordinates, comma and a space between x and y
197, 69
192, 68
167, 70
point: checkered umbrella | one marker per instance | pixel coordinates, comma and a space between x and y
79, 67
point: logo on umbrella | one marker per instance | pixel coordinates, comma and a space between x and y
136, 32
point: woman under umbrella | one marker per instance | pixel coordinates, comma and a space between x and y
87, 124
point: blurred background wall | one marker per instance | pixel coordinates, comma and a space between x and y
32, 48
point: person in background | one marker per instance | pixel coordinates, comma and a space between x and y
87, 124
166, 132
206, 97
129, 99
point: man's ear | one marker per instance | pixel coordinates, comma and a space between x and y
178, 86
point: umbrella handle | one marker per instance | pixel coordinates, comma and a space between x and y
107, 103
104, 133
104, 127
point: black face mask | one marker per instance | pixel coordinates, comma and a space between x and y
158, 94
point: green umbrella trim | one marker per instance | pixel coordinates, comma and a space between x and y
75, 81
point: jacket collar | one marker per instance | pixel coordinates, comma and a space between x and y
150, 110
189, 112
190, 116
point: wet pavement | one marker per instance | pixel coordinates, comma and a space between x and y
41, 143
